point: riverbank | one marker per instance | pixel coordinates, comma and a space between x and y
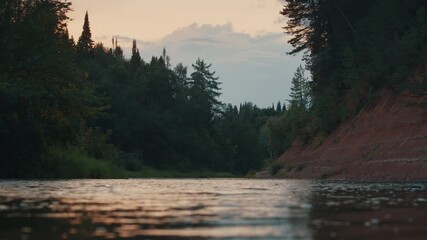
385, 141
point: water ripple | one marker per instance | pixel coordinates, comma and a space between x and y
211, 209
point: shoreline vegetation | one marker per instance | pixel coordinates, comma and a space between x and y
73, 163
80, 109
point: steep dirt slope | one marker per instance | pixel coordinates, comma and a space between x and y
386, 141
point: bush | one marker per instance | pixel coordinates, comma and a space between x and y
95, 143
250, 174
73, 162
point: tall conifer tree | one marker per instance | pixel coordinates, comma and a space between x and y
135, 60
300, 90
279, 107
85, 43
204, 91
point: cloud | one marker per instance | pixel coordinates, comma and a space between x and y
251, 68
124, 41
204, 40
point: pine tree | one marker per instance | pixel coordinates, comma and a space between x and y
279, 107
118, 52
204, 91
135, 61
85, 43
166, 59
204, 79
309, 24
180, 82
284, 107
300, 91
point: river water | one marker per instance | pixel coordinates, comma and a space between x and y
211, 209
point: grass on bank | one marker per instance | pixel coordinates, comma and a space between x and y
75, 163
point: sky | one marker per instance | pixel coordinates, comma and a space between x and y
243, 39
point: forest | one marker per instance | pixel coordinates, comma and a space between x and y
73, 108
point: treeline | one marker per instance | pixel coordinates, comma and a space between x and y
78, 109
352, 49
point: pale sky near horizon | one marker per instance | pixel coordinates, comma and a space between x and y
243, 39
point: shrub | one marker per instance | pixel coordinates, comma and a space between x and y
73, 162
275, 168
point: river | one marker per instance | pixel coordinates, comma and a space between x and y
211, 209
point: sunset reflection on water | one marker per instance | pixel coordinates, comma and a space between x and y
209, 209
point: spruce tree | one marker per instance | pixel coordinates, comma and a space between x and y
85, 43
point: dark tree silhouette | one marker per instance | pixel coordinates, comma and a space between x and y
85, 43
135, 60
